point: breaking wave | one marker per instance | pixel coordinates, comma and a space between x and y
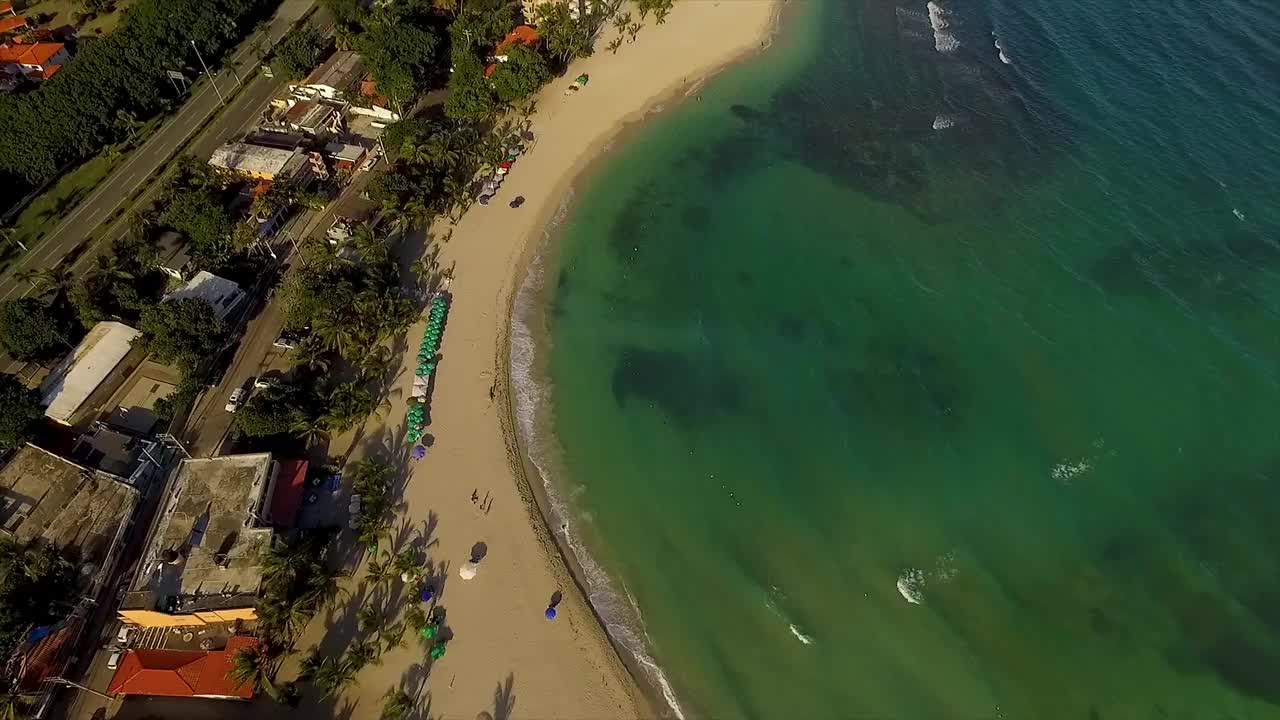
531, 394
1000, 51
942, 122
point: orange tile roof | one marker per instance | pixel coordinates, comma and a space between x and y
181, 673
11, 23
36, 54
522, 35
6, 7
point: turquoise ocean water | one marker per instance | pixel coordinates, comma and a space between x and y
910, 375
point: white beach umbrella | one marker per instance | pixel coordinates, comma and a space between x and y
467, 571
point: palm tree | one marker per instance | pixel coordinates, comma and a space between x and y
310, 664
322, 588
310, 430
312, 354
396, 706
391, 635
336, 332
381, 570
251, 665
363, 654
54, 281
285, 562
415, 617
13, 704
334, 674
413, 152
371, 246
285, 617
440, 154
375, 362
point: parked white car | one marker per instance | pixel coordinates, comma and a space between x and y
126, 632
237, 399
113, 662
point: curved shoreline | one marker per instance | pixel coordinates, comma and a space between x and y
640, 666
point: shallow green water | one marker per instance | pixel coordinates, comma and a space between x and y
873, 320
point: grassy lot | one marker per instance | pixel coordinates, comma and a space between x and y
48, 209
63, 12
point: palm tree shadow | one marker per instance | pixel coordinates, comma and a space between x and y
504, 700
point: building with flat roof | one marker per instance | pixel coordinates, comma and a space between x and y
223, 295
203, 560
132, 407
253, 160
82, 512
85, 378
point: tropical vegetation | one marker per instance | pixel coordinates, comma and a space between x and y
70, 117
299, 52
19, 412
37, 586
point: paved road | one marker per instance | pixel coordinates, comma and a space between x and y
86, 217
209, 423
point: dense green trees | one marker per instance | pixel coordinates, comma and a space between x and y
524, 72
184, 332
299, 53
32, 331
195, 204
36, 587
470, 96
274, 410
72, 116
19, 412
121, 282
399, 48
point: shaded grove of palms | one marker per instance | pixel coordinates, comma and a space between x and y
365, 619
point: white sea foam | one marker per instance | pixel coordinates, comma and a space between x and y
1239, 215
1065, 472
619, 611
944, 568
806, 639
943, 40
942, 122
911, 586
1000, 51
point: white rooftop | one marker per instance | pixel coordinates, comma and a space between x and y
77, 375
252, 159
221, 294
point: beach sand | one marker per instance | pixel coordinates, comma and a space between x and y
505, 658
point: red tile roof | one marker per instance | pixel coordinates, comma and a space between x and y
6, 7
35, 54
181, 673
522, 35
291, 481
12, 23
48, 655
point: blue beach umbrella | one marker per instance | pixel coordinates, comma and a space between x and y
550, 613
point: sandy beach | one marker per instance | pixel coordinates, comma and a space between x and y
505, 658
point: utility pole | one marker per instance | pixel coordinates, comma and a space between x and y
212, 80
64, 681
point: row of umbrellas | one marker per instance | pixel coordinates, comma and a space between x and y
428, 353
489, 187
